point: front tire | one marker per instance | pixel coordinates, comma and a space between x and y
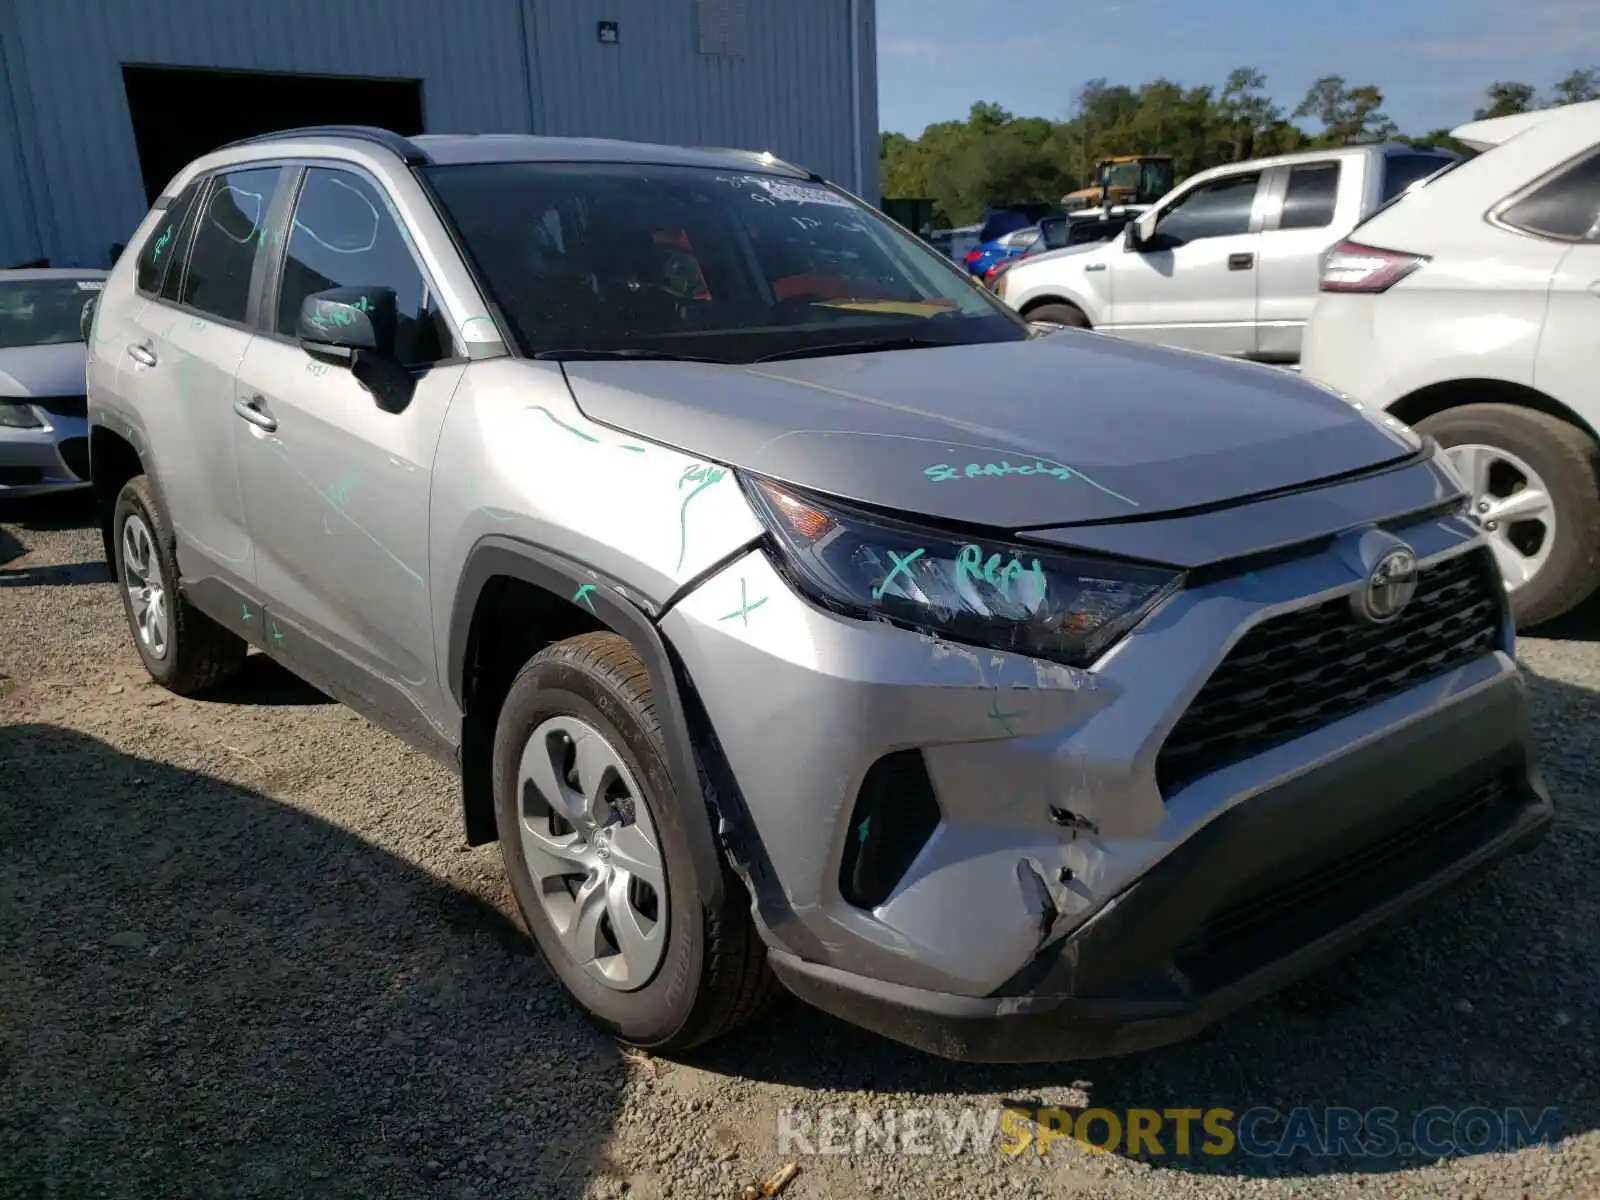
184, 650
1534, 485
593, 837
1059, 314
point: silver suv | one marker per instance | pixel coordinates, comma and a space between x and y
787, 605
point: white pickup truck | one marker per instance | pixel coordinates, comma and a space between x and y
1227, 262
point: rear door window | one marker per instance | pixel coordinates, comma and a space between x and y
1308, 203
1566, 207
227, 236
165, 244
1400, 171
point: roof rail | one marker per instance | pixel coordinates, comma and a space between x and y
387, 138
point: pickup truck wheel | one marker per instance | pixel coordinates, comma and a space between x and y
184, 650
1058, 314
592, 834
1535, 489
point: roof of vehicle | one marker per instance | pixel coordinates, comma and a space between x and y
455, 148
1492, 131
1322, 155
34, 274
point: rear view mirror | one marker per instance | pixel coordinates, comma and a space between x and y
86, 317
1142, 230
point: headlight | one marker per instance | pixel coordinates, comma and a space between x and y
975, 590
17, 416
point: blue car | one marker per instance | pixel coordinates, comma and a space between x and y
989, 255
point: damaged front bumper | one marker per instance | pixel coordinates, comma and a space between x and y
1070, 896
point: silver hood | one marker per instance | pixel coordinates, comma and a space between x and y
1070, 428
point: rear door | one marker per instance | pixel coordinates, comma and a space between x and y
182, 348
337, 489
1308, 207
1194, 286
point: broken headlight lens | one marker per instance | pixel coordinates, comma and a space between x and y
980, 591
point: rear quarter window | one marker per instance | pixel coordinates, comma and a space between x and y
165, 243
1565, 207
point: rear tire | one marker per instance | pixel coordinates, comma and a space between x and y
1059, 314
184, 650
1564, 459
711, 975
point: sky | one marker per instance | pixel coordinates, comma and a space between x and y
1431, 58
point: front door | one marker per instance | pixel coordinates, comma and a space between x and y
337, 489
1194, 284
182, 347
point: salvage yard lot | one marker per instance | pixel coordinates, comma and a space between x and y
244, 952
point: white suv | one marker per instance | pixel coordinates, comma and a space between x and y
1471, 310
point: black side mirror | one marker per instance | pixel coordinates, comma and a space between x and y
86, 317
339, 322
355, 327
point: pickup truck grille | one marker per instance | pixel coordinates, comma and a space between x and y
1308, 668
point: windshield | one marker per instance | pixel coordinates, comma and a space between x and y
43, 312
1122, 175
699, 262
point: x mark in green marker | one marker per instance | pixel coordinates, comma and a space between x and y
902, 566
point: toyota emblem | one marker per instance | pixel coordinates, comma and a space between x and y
1389, 588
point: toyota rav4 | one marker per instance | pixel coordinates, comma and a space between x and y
792, 610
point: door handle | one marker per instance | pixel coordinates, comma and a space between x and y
141, 353
250, 410
1094, 267
1241, 262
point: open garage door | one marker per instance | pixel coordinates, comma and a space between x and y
180, 113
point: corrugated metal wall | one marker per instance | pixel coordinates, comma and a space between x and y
69, 171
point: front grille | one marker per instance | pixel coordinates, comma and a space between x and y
1266, 923
62, 406
1307, 668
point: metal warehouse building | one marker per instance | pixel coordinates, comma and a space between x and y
102, 101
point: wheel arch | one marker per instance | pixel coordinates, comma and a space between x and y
1037, 302
1429, 401
568, 599
113, 460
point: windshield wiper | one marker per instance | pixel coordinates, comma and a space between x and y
627, 352
864, 346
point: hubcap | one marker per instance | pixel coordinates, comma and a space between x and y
1514, 507
593, 853
147, 591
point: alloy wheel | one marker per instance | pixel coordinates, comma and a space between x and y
593, 853
147, 590
1514, 506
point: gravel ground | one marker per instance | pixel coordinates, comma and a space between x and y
244, 952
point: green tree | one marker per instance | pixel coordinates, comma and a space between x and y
1505, 98
1349, 115
1246, 112
1580, 85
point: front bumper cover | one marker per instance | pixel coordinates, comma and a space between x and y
1264, 893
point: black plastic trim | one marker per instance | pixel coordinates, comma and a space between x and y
497, 555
